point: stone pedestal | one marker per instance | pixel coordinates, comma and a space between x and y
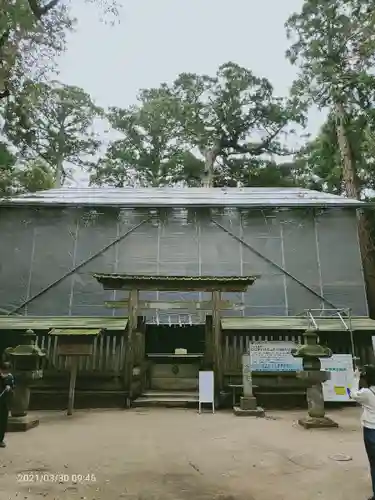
21, 399
317, 422
313, 378
315, 403
248, 408
19, 420
248, 403
26, 360
22, 424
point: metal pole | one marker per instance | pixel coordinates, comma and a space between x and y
72, 384
75, 268
259, 254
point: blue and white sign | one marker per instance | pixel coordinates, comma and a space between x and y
274, 357
277, 357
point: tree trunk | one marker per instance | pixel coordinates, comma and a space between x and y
352, 189
60, 174
210, 156
59, 177
349, 171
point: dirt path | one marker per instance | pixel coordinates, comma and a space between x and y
180, 455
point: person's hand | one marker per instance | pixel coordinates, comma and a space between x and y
7, 388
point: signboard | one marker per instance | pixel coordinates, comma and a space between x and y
206, 389
274, 357
342, 376
277, 357
74, 349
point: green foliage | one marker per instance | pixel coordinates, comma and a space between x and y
32, 33
17, 177
149, 152
53, 122
7, 165
318, 165
35, 175
235, 112
233, 116
333, 44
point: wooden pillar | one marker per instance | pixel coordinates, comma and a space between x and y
208, 351
132, 327
217, 348
72, 383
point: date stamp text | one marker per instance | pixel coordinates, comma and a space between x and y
49, 477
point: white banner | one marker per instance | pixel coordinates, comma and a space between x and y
342, 376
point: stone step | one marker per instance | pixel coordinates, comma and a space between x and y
167, 399
170, 394
165, 403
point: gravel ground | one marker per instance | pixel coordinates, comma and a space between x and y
171, 454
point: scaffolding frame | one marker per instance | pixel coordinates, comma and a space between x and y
343, 314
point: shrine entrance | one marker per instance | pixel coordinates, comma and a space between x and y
172, 354
167, 339
175, 355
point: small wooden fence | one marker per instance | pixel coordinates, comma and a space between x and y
108, 354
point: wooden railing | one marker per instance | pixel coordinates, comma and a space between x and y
108, 354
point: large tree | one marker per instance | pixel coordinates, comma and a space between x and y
224, 130
32, 32
150, 151
234, 114
333, 45
53, 122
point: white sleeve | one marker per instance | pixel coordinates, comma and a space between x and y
359, 395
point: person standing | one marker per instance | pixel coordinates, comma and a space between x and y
366, 398
6, 388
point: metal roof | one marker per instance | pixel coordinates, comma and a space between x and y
181, 197
49, 322
76, 331
300, 323
173, 283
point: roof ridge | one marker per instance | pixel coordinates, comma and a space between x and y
153, 197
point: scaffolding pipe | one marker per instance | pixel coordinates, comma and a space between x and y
259, 254
76, 268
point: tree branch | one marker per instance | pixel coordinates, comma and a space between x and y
257, 149
40, 11
5, 93
4, 38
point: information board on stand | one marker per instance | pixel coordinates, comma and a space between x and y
206, 390
276, 356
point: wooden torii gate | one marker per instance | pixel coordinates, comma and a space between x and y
216, 285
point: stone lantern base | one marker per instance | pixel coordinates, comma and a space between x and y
317, 422
22, 424
248, 408
19, 420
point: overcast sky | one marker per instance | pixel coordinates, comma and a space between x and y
157, 39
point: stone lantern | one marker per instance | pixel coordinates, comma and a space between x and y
27, 365
313, 377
